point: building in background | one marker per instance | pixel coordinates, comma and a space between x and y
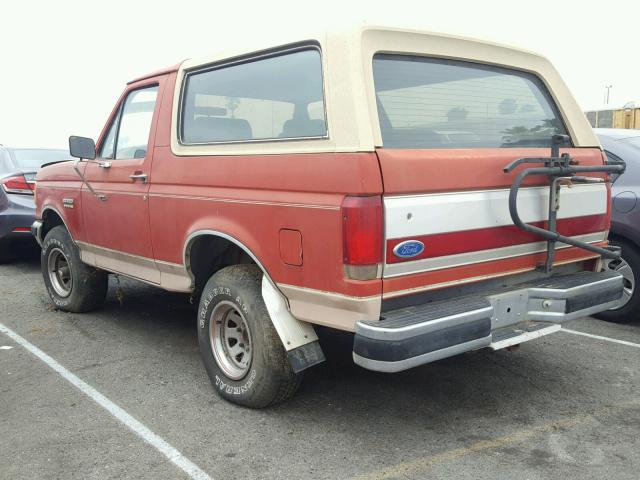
626, 117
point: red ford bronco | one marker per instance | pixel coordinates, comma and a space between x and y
432, 194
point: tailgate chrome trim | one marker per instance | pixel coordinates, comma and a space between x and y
437, 263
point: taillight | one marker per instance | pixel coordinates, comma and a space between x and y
17, 184
362, 232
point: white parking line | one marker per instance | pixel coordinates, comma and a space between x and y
598, 337
134, 425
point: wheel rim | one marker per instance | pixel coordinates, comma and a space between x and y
59, 272
230, 340
628, 279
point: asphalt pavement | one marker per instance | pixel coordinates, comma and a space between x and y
563, 406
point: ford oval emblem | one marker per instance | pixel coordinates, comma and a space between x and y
408, 249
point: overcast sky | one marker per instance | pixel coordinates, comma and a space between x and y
64, 63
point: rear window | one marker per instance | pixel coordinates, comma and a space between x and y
278, 97
434, 103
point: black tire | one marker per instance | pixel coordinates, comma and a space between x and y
267, 377
87, 287
630, 312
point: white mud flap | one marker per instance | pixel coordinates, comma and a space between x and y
298, 338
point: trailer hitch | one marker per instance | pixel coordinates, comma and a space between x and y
560, 169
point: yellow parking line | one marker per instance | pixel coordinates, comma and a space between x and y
423, 463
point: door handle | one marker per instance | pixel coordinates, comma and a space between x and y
104, 164
138, 176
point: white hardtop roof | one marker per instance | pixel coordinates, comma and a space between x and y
349, 91
351, 36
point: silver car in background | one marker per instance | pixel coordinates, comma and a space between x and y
18, 167
623, 146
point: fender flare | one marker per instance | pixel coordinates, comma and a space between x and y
298, 338
57, 212
216, 233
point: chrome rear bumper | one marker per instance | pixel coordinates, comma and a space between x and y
416, 335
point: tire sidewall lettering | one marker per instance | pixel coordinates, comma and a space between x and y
207, 304
212, 298
225, 387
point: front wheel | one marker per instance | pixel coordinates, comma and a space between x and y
628, 308
73, 285
241, 350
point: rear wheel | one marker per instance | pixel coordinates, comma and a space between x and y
73, 285
628, 308
241, 350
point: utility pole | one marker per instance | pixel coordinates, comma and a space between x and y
606, 97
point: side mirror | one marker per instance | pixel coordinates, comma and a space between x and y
82, 147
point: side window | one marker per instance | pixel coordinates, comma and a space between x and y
434, 103
109, 143
277, 97
135, 123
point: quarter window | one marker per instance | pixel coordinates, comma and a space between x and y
272, 98
434, 103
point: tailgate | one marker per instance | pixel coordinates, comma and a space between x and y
448, 129
443, 229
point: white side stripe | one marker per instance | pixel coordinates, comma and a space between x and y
410, 216
174, 456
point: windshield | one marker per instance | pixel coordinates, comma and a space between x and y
434, 103
32, 159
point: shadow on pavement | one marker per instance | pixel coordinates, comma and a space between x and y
475, 385
542, 380
24, 253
